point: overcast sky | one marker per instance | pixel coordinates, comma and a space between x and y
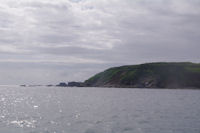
48, 41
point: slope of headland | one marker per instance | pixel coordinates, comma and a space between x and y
149, 75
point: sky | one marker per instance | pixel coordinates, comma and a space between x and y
52, 41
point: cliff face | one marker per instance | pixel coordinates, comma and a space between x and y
150, 75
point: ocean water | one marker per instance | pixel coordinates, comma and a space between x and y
98, 110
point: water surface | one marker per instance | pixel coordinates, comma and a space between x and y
98, 110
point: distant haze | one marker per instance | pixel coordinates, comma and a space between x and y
49, 41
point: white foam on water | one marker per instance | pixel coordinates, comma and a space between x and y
24, 123
35, 106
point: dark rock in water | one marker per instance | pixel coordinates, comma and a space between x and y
49, 85
62, 84
34, 85
75, 84
23, 85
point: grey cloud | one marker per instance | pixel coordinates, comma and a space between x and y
93, 35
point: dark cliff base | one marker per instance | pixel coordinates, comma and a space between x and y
149, 75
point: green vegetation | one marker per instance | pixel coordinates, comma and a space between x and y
149, 75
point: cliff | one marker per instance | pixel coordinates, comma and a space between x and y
149, 75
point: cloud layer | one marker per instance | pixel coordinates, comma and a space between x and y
61, 40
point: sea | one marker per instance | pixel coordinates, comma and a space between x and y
98, 110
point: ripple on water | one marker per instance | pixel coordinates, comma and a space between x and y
90, 131
2, 99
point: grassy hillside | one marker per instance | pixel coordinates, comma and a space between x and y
149, 75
